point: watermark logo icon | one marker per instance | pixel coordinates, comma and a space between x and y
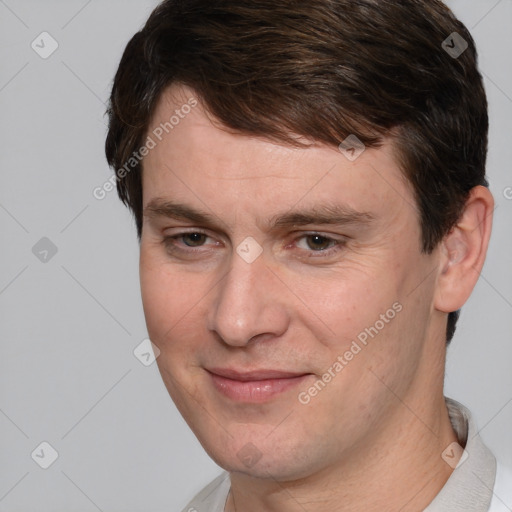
44, 250
44, 455
44, 45
249, 250
454, 455
455, 45
352, 148
249, 455
146, 352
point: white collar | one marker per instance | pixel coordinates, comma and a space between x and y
470, 486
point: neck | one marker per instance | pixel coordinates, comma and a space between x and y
399, 469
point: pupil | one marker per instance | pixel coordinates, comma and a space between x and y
195, 237
318, 238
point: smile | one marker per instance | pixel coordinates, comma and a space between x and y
254, 387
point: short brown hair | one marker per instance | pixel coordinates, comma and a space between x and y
322, 69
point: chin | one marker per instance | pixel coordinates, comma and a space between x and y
259, 458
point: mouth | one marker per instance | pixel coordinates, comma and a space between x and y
254, 386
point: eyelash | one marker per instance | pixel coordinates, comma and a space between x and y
168, 242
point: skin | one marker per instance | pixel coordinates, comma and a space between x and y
370, 440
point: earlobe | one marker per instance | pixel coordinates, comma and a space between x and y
464, 250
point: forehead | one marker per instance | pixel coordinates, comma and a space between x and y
200, 160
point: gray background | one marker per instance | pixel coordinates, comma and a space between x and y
68, 375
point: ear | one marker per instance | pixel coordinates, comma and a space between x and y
463, 252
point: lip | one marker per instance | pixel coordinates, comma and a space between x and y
255, 386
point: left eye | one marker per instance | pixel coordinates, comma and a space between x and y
318, 242
321, 244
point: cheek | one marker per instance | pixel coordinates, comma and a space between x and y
369, 320
175, 303
163, 297
349, 305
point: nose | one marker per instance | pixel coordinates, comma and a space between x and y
248, 302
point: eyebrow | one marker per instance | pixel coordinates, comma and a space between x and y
323, 214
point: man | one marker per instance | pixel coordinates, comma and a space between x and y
308, 184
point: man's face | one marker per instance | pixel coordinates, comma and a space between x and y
244, 336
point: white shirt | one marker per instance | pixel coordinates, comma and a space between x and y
478, 484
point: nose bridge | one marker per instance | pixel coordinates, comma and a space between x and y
244, 304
